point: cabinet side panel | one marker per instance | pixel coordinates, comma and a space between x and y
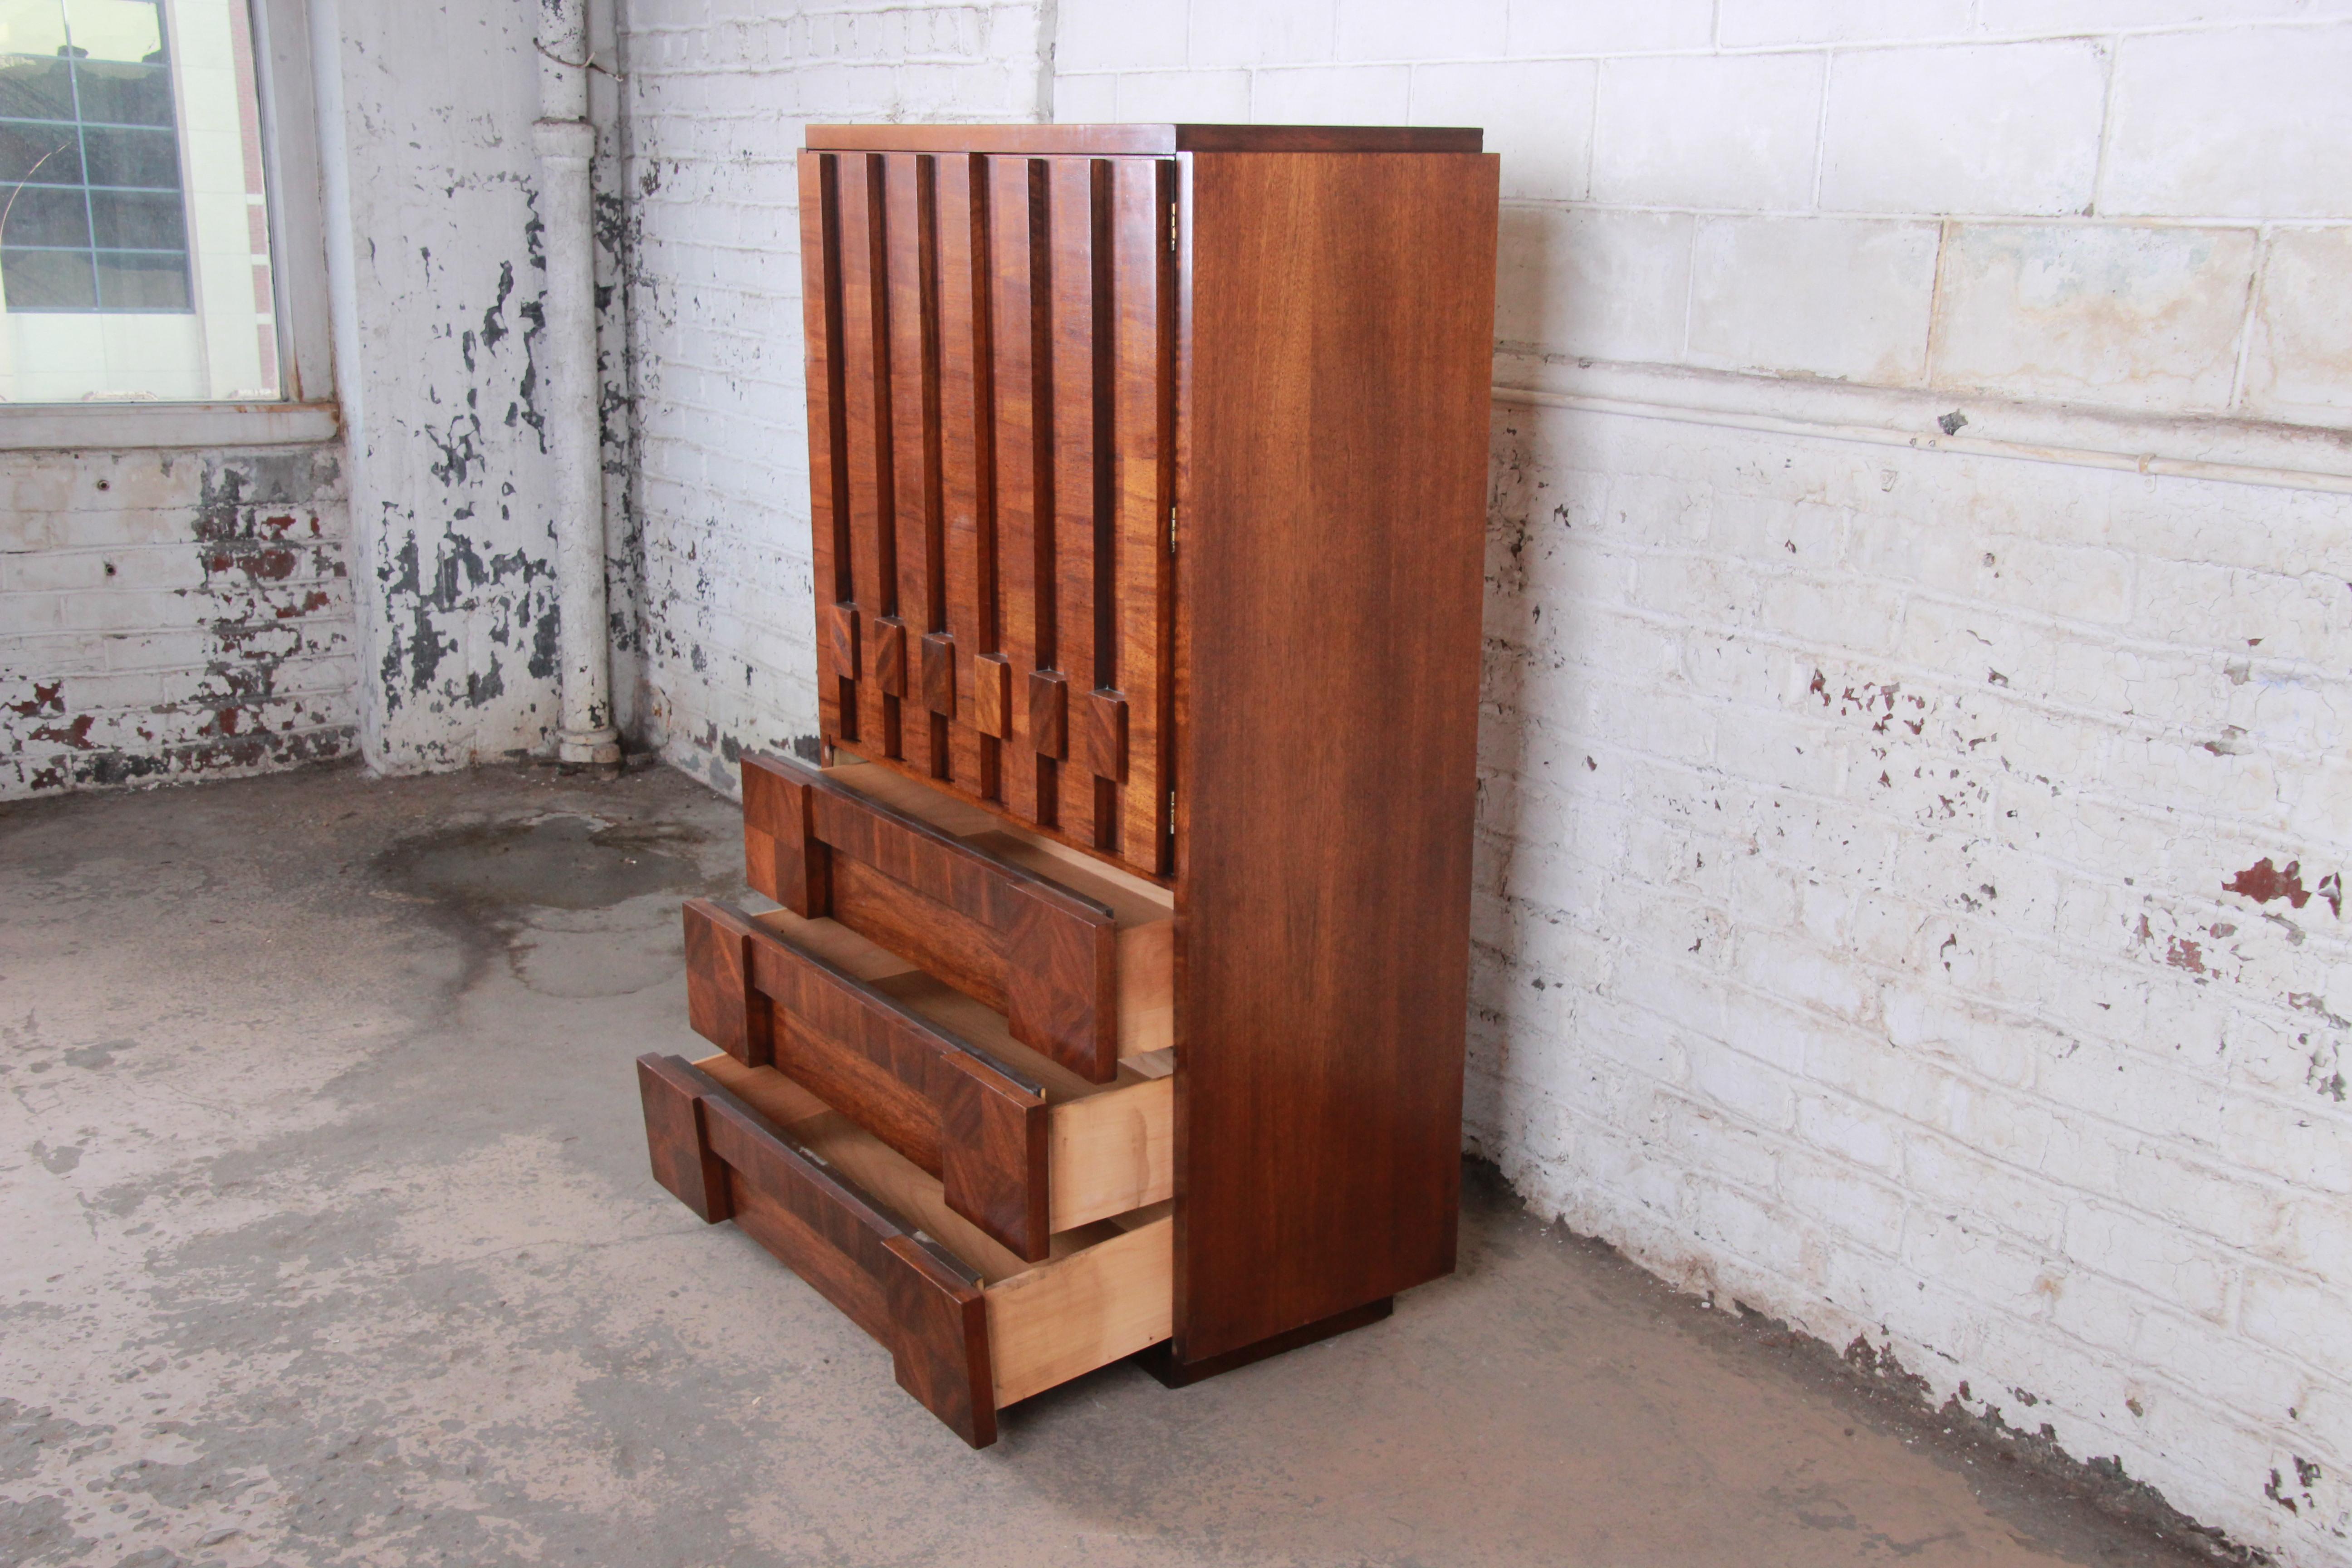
1339, 332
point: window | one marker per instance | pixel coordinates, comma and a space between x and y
135, 257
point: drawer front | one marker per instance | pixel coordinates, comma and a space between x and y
1044, 956
730, 1162
990, 401
923, 1090
967, 1335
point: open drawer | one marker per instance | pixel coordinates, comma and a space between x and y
1077, 955
969, 1327
1022, 1146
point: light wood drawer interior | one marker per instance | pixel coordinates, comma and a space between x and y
1110, 1148
1105, 1292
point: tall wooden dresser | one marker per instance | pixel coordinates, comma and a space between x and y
1115, 1002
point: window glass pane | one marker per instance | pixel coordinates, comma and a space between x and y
36, 216
39, 154
32, 27
124, 95
47, 280
144, 113
145, 160
137, 220
116, 29
32, 88
128, 280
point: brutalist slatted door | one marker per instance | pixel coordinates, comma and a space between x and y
990, 443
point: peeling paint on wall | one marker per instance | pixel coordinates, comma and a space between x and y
452, 493
172, 616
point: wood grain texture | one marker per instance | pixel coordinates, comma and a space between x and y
827, 434
782, 855
1141, 400
992, 694
841, 646
1049, 713
929, 1314
1112, 1152
889, 661
966, 477
1104, 1294
910, 258
1104, 139
1076, 1313
721, 1004
682, 1160
1021, 366
1099, 735
1077, 421
1061, 980
923, 1090
1037, 338
866, 429
1339, 327
1048, 957
938, 667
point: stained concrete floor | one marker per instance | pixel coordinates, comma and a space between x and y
326, 1237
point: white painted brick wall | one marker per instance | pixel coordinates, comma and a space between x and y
1852, 928
1852, 937
1853, 932
451, 488
716, 99
171, 615
2107, 124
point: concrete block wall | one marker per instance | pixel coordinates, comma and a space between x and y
1910, 900
717, 94
2132, 205
172, 614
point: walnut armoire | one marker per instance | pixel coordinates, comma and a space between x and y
1115, 1002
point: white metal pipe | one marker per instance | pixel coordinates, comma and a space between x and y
566, 144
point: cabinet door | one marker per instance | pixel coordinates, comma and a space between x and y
990, 345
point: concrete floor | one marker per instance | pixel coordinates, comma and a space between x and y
326, 1237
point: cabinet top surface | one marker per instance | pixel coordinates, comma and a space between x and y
1144, 139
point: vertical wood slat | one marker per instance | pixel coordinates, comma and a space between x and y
827, 437
970, 585
988, 427
1142, 421
912, 348
1023, 484
866, 425
1071, 208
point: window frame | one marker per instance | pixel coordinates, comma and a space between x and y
308, 412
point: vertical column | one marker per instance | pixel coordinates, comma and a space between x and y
912, 346
1021, 370
836, 611
1124, 729
865, 356
1072, 213
966, 434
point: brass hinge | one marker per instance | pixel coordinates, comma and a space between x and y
1171, 531
1172, 228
